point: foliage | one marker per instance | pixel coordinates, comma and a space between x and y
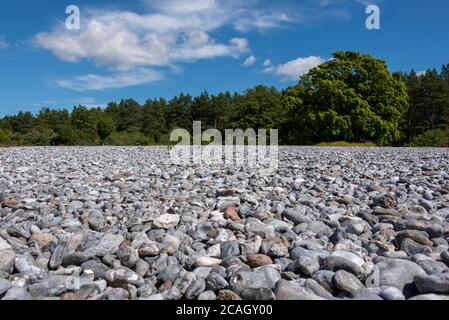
4, 137
367, 144
433, 138
429, 103
126, 138
352, 97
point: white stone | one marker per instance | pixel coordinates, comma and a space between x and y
167, 221
207, 262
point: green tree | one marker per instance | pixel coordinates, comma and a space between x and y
352, 97
429, 103
445, 72
257, 108
154, 125
105, 125
84, 123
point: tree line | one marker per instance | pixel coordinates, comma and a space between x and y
352, 98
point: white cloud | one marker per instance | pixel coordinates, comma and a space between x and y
249, 61
267, 63
3, 43
185, 7
173, 31
168, 33
113, 81
292, 70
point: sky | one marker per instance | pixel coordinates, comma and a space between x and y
145, 49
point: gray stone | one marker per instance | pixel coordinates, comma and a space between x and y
25, 263
435, 283
5, 285
255, 294
296, 215
169, 273
216, 282
342, 260
7, 258
400, 274
74, 259
392, 293
430, 297
17, 293
285, 290
229, 249
207, 296
4, 245
347, 282
195, 289
307, 265
128, 256
265, 277
52, 286
97, 221
115, 294
108, 244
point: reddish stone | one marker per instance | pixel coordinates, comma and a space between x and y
258, 260
166, 286
231, 213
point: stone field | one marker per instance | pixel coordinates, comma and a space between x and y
125, 223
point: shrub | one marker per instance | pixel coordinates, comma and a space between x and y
39, 137
126, 138
433, 138
4, 138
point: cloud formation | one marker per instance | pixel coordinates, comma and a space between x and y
293, 69
112, 81
249, 61
167, 33
164, 34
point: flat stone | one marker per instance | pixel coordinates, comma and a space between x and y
108, 244
296, 215
285, 290
207, 262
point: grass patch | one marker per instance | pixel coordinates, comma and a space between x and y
367, 144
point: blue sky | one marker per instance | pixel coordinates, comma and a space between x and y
152, 48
